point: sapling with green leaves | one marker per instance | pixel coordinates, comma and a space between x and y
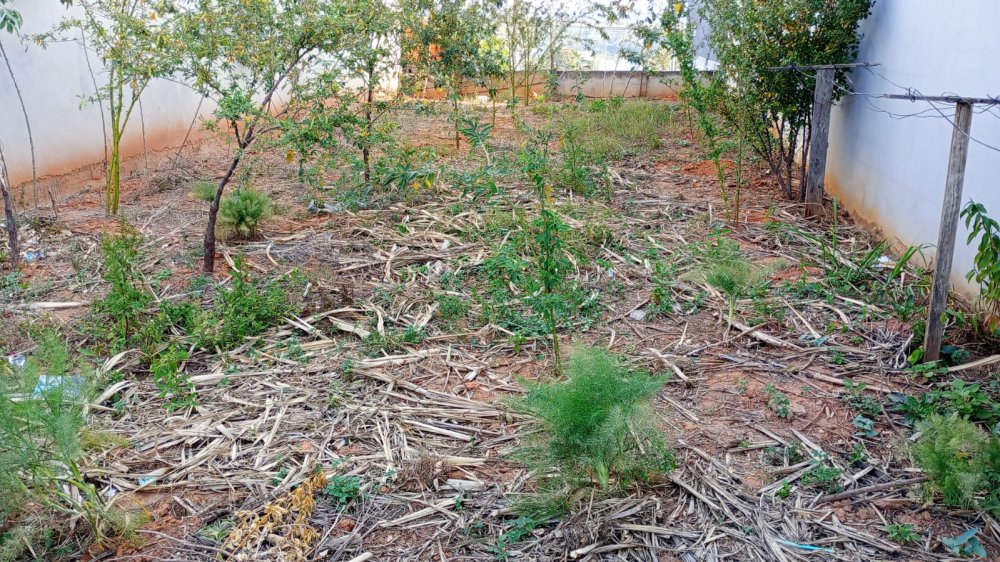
245, 55
551, 263
134, 42
701, 93
341, 106
450, 42
986, 267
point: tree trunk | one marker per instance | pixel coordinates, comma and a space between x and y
213, 213
11, 220
366, 149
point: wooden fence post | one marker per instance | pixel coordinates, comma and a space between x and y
822, 103
949, 225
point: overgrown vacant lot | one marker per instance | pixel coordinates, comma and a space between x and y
359, 378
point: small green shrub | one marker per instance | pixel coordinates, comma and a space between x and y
733, 277
597, 424
123, 311
342, 490
777, 401
662, 297
902, 533
825, 477
962, 461
248, 307
174, 384
241, 212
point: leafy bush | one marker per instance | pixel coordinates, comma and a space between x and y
122, 311
597, 424
748, 38
962, 462
248, 307
342, 490
241, 212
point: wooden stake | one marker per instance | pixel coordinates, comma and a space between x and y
822, 103
949, 224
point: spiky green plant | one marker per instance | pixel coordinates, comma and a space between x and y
41, 415
732, 276
595, 425
242, 211
962, 461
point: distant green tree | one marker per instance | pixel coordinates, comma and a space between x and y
450, 40
774, 107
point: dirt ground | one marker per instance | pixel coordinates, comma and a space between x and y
427, 426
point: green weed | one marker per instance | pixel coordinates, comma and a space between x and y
342, 490
902, 533
597, 424
962, 462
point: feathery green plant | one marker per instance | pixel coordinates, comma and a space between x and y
596, 425
962, 462
241, 212
41, 415
733, 276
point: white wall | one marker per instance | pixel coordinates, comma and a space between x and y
891, 171
68, 136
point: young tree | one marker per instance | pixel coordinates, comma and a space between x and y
450, 40
775, 107
369, 55
132, 40
10, 21
532, 34
242, 54
10, 218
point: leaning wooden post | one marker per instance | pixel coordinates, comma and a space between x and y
822, 103
949, 225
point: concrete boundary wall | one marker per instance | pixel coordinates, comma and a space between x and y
889, 170
55, 82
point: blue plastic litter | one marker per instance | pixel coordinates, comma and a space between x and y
806, 547
72, 385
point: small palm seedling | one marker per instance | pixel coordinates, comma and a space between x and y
477, 134
597, 425
240, 212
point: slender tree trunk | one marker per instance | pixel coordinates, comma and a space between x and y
27, 124
366, 149
11, 222
213, 213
